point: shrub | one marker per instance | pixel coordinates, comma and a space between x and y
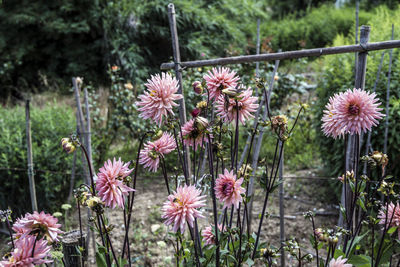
338, 75
317, 29
50, 162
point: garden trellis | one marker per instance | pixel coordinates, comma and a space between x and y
361, 51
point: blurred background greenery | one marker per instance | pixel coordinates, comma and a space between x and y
45, 43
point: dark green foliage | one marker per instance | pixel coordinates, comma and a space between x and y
51, 163
338, 75
280, 8
317, 29
43, 41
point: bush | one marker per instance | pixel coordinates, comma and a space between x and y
48, 126
317, 29
338, 75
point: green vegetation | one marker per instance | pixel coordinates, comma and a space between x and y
48, 125
338, 75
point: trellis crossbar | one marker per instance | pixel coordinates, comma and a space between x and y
286, 55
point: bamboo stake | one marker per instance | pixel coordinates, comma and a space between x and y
388, 97
368, 145
178, 74
315, 52
282, 208
31, 175
88, 133
246, 147
257, 149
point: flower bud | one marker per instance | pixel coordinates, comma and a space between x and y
157, 135
197, 87
230, 91
196, 112
128, 86
201, 123
201, 104
68, 145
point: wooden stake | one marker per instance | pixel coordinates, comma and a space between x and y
388, 98
178, 74
31, 174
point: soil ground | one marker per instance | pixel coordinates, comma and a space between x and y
151, 246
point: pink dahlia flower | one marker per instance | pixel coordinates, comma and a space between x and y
208, 235
36, 222
352, 112
182, 206
159, 98
22, 254
194, 132
228, 189
339, 262
393, 216
246, 104
219, 79
152, 151
110, 185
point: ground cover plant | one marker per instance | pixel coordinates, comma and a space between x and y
224, 104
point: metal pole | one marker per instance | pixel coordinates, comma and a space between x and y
178, 74
31, 174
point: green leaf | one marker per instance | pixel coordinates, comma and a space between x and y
392, 230
250, 262
100, 260
360, 260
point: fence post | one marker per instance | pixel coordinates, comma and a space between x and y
350, 164
31, 174
178, 74
71, 242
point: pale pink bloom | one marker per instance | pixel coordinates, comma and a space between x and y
219, 79
46, 224
352, 112
194, 134
228, 190
152, 151
246, 104
208, 236
393, 216
110, 186
159, 98
182, 206
330, 126
339, 262
22, 256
